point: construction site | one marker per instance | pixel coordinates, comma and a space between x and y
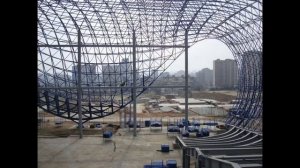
121, 150
165, 110
98, 61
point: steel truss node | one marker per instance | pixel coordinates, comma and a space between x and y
107, 47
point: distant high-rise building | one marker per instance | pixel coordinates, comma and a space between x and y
207, 77
111, 74
225, 73
88, 74
118, 73
108, 74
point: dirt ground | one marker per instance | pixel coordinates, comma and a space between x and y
68, 128
160, 114
222, 96
48, 128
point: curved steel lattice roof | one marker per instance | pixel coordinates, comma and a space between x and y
106, 28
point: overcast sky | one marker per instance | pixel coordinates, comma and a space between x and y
201, 55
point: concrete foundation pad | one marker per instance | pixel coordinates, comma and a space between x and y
93, 152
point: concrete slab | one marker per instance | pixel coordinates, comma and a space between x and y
93, 152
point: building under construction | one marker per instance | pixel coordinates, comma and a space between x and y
96, 57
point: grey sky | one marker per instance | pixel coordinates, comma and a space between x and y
201, 55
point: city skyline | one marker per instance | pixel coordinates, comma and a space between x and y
211, 50
171, 73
